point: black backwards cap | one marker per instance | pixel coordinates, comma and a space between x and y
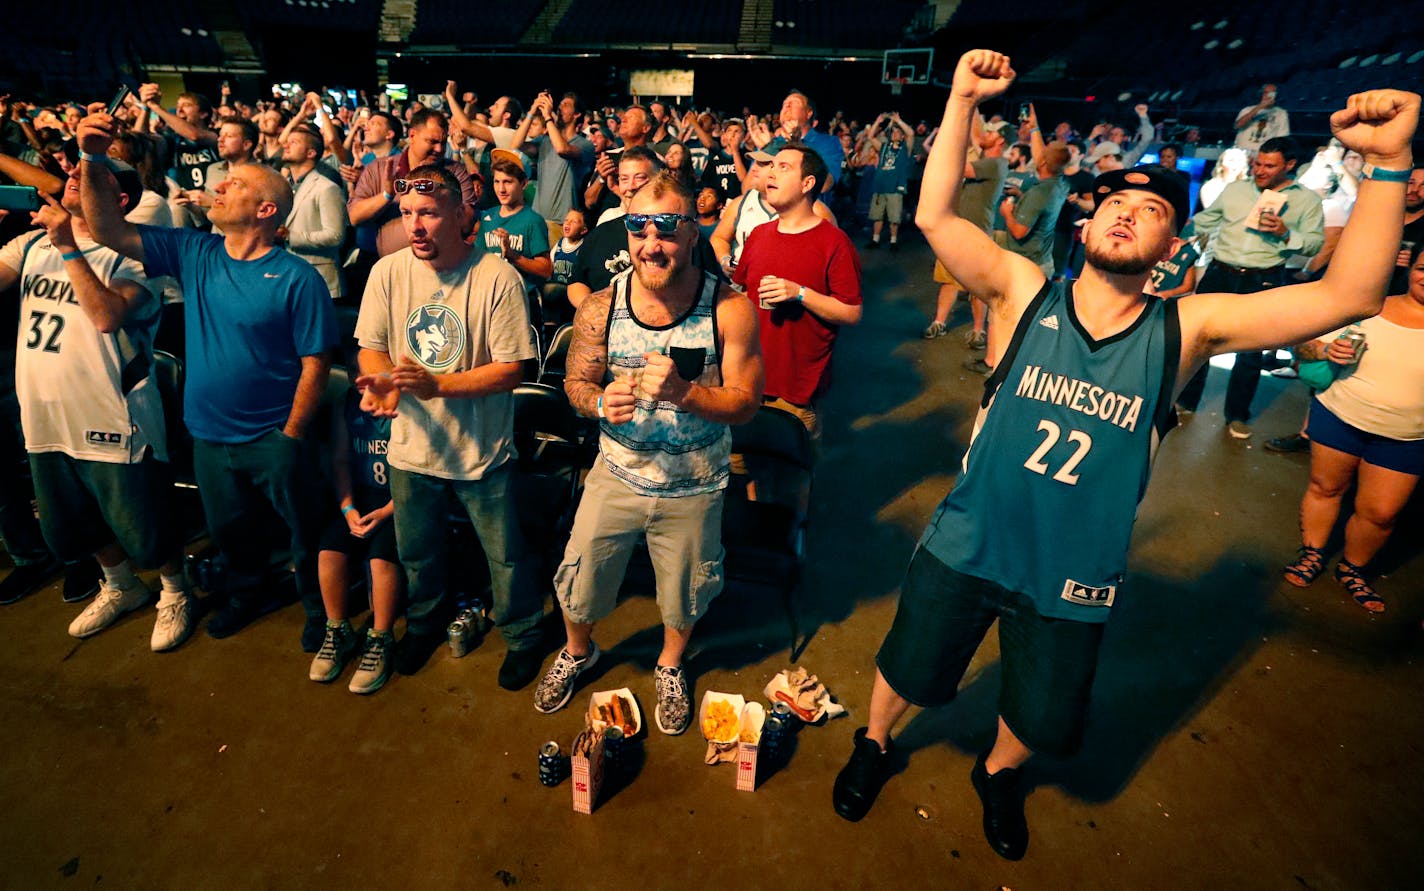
1169, 185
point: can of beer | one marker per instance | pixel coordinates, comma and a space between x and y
458, 633
614, 746
553, 764
773, 731
1356, 338
476, 618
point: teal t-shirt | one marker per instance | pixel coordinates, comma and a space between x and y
528, 233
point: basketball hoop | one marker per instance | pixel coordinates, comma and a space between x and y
897, 84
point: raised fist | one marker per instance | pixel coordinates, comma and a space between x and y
1378, 124
982, 74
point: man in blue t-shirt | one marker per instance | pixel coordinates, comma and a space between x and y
259, 327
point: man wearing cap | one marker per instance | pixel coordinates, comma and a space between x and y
259, 328
373, 198
511, 229
90, 408
444, 331
1067, 429
1250, 244
892, 176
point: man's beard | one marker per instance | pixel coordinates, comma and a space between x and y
658, 278
1105, 261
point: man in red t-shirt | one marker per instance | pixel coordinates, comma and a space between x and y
804, 275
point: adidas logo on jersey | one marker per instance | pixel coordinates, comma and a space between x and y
103, 438
1087, 595
1049, 322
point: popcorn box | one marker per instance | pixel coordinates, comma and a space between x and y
727, 734
748, 745
587, 776
602, 700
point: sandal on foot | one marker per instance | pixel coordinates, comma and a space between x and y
1309, 563
1352, 578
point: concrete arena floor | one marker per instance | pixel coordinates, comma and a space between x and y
1243, 733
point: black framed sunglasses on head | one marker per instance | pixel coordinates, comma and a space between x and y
665, 223
418, 186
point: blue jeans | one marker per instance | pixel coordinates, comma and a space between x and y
422, 537
233, 480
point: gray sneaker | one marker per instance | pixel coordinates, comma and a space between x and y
557, 686
336, 648
375, 668
976, 340
1238, 429
674, 709
935, 329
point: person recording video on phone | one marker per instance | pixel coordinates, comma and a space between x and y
1265, 120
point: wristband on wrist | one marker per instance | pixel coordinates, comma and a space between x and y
349, 509
600, 407
66, 256
95, 159
1383, 175
801, 294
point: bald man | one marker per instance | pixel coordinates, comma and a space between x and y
259, 328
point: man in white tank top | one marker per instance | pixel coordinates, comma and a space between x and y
666, 358
91, 412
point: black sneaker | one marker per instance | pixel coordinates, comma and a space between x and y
894, 247
81, 580
1288, 444
520, 667
313, 633
232, 617
414, 651
872, 245
1003, 799
27, 579
860, 780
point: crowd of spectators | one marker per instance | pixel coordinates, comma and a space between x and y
545, 185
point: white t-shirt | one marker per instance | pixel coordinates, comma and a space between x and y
1383, 393
471, 316
83, 393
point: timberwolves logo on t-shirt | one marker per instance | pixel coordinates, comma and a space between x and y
435, 335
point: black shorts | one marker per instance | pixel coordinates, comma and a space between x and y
379, 545
1048, 664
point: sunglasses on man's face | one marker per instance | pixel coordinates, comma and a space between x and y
418, 186
664, 223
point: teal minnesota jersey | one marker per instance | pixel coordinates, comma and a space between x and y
1060, 457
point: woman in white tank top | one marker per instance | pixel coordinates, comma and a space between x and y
1366, 428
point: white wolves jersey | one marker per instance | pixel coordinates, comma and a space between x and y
83, 393
1060, 457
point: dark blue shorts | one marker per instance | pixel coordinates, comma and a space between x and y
1048, 664
1402, 455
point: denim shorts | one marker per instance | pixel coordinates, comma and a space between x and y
88, 505
1402, 455
1048, 664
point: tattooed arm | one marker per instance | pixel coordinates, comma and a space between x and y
587, 363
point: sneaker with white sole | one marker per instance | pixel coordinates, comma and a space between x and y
976, 340
674, 709
174, 623
338, 646
935, 329
1238, 429
375, 666
558, 684
111, 603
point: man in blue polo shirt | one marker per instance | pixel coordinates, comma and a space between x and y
259, 329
